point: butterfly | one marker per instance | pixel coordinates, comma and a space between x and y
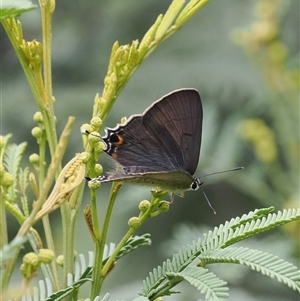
161, 146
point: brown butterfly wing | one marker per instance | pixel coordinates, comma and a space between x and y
166, 137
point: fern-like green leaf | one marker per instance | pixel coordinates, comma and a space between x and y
23, 183
12, 158
262, 262
259, 213
133, 243
235, 230
260, 225
13, 8
205, 281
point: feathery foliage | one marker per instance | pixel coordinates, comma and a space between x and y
13, 8
213, 248
12, 159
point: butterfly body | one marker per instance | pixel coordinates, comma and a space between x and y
175, 181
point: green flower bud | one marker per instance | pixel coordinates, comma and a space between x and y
35, 54
134, 222
46, 255
36, 132
60, 260
38, 117
85, 157
94, 184
98, 169
144, 205
86, 128
94, 138
98, 147
34, 159
163, 206
31, 259
96, 122
123, 120
7, 179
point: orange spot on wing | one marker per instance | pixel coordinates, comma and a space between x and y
120, 140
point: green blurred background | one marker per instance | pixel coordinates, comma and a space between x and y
225, 51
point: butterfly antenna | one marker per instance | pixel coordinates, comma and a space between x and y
215, 173
223, 171
208, 202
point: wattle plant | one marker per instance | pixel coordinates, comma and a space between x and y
31, 193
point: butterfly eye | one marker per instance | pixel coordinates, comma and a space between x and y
196, 184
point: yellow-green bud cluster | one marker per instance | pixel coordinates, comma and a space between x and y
134, 222
60, 260
85, 157
34, 159
38, 117
7, 179
96, 122
94, 185
36, 132
32, 261
163, 207
45, 256
98, 169
144, 205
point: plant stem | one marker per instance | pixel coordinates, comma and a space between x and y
51, 246
73, 209
143, 217
10, 28
3, 221
47, 8
98, 276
